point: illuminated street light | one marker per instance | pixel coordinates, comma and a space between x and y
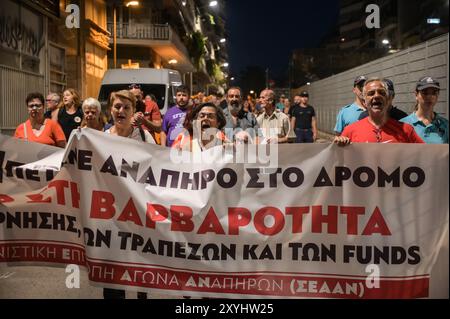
223, 40
213, 3
433, 21
309, 83
252, 92
232, 79
132, 3
385, 41
225, 65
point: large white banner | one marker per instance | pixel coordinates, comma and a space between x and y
365, 221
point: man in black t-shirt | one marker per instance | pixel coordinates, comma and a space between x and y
303, 119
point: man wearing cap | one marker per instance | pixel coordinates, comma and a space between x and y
378, 127
430, 126
350, 113
303, 119
394, 112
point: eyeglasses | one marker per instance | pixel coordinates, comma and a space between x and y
50, 100
35, 106
210, 116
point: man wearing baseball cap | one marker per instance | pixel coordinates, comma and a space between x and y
394, 112
351, 112
429, 125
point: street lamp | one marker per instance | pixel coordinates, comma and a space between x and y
385, 41
213, 3
132, 3
223, 40
225, 65
128, 4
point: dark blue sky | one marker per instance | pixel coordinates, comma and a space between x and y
265, 32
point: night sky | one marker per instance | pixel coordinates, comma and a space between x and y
264, 32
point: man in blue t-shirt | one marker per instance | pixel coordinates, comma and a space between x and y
350, 113
174, 118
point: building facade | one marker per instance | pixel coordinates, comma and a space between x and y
174, 34
48, 47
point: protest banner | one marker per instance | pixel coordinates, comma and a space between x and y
365, 221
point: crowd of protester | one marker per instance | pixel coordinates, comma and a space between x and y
197, 123
132, 113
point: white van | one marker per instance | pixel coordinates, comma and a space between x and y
159, 82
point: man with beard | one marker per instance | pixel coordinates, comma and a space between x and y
175, 116
378, 127
241, 126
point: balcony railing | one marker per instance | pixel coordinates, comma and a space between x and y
146, 31
141, 31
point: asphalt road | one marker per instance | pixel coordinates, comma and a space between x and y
39, 282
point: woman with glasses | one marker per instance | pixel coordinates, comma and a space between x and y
37, 128
203, 129
70, 115
430, 126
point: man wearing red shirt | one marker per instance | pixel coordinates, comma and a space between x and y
378, 127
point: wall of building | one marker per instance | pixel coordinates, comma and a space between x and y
23, 60
404, 68
96, 47
50, 56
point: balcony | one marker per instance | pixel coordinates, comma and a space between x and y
160, 37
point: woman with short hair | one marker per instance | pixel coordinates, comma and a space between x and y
38, 128
93, 117
123, 106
